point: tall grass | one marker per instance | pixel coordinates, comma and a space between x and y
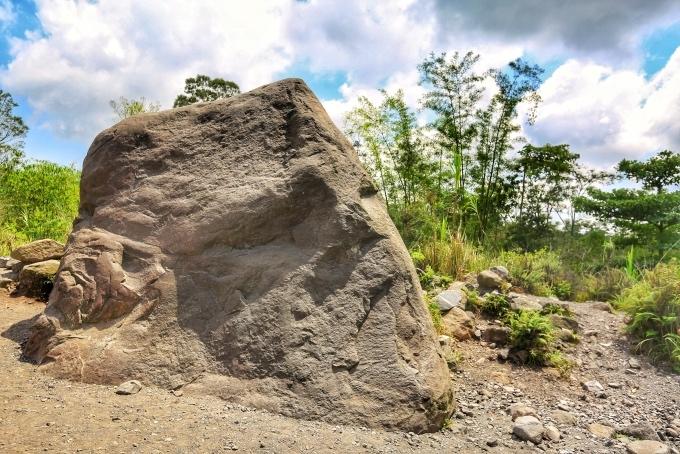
654, 306
449, 254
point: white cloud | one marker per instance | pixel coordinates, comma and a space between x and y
89, 53
7, 13
607, 114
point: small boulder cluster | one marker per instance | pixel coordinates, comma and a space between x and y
480, 307
30, 269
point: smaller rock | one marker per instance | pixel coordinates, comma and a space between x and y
459, 324
501, 271
11, 263
641, 431
492, 443
562, 417
528, 428
444, 340
38, 251
601, 430
129, 387
519, 410
551, 433
561, 321
601, 305
593, 387
520, 302
3, 262
615, 385
633, 363
5, 283
503, 354
453, 297
647, 447
488, 280
36, 279
499, 335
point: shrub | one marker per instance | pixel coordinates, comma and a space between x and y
605, 285
562, 290
533, 332
557, 360
494, 304
431, 280
556, 309
450, 255
533, 271
654, 306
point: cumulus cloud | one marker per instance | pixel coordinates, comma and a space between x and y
7, 14
609, 29
607, 114
88, 53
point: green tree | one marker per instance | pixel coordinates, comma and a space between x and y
12, 132
544, 177
38, 200
647, 215
497, 128
454, 91
125, 108
203, 88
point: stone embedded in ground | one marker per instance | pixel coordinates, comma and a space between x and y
601, 305
647, 447
552, 433
528, 428
36, 279
561, 321
241, 245
499, 335
601, 430
642, 431
518, 410
129, 387
38, 251
563, 417
593, 387
448, 299
459, 324
3, 261
633, 363
488, 280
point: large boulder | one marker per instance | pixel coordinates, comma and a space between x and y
38, 251
489, 280
37, 279
239, 247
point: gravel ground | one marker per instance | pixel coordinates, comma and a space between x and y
42, 414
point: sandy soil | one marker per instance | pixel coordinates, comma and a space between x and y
42, 414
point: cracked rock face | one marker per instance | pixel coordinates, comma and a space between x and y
238, 246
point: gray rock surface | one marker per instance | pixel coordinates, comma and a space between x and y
528, 428
448, 299
488, 280
129, 387
241, 245
647, 447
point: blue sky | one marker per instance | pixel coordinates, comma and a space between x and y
611, 87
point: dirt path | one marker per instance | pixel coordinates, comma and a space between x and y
41, 414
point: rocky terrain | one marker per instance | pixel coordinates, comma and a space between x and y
40, 413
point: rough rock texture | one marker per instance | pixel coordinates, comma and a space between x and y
36, 279
488, 280
459, 324
239, 247
38, 251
